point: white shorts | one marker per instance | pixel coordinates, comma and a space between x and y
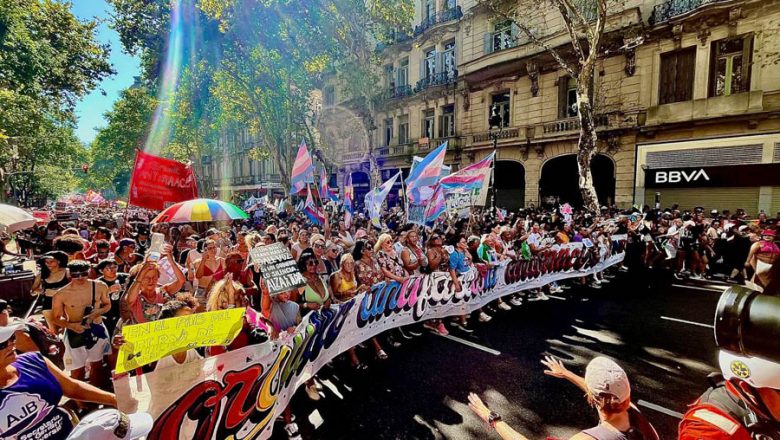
75, 358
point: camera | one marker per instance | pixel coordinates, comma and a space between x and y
748, 322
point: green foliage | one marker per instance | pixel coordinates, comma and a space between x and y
48, 61
112, 153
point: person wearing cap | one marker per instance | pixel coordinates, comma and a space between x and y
53, 276
763, 255
606, 388
31, 388
112, 424
124, 254
24, 343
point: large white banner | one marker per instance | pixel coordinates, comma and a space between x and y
238, 395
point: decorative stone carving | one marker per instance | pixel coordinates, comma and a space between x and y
630, 67
677, 32
539, 148
613, 144
533, 75
703, 33
734, 15
465, 94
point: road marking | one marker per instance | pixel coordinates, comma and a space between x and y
660, 409
471, 344
687, 322
706, 289
557, 297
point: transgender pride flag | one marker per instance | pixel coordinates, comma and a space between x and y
303, 170
313, 211
425, 174
348, 211
469, 178
325, 192
436, 206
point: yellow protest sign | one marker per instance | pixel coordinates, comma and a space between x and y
152, 341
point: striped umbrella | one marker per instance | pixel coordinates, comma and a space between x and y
200, 210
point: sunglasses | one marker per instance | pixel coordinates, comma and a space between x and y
75, 275
319, 246
10, 341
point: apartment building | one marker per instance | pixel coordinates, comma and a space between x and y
688, 99
230, 172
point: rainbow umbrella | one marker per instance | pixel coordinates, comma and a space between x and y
200, 210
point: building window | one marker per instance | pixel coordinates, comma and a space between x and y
330, 95
403, 73
504, 36
501, 101
567, 97
730, 71
429, 65
427, 124
677, 72
389, 77
449, 4
448, 60
447, 121
388, 131
429, 11
403, 130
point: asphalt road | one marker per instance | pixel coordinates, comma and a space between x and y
660, 332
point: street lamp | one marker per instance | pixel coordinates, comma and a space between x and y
496, 124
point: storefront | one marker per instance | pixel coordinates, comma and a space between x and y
721, 173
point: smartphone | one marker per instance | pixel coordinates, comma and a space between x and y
155, 248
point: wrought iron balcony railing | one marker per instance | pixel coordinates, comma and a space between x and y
438, 79
440, 17
398, 92
673, 8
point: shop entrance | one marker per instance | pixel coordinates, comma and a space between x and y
559, 182
362, 184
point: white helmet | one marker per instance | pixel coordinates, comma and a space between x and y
755, 371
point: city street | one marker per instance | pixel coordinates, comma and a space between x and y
662, 337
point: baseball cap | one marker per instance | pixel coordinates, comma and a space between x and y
604, 376
112, 424
8, 331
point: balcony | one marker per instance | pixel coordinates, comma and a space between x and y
383, 152
353, 157
440, 17
569, 125
438, 79
399, 92
401, 150
396, 37
674, 8
507, 133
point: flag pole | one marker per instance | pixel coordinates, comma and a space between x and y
405, 200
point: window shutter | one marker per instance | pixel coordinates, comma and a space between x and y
397, 80
747, 62
667, 78
423, 62
440, 64
488, 43
515, 32
685, 69
563, 86
441, 126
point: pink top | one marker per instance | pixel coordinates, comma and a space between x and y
144, 310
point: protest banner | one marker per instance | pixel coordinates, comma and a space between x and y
279, 269
151, 341
416, 214
240, 393
461, 203
158, 182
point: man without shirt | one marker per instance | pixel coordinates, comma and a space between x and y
78, 308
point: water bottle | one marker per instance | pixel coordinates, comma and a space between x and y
115, 295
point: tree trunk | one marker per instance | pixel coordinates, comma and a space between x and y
588, 140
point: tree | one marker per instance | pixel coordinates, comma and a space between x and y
48, 61
112, 153
584, 21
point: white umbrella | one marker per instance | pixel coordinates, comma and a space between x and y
14, 218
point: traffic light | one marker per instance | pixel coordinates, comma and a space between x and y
85, 168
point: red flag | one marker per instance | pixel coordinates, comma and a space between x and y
158, 182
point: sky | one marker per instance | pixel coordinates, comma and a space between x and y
91, 109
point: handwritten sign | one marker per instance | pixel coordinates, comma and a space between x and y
416, 214
151, 341
278, 268
461, 203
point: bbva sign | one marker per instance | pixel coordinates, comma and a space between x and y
677, 176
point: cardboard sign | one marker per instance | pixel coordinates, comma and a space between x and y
461, 203
151, 341
416, 214
278, 268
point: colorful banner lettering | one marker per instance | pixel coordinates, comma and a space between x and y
239, 394
152, 341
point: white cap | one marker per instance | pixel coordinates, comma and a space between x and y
112, 424
604, 376
8, 331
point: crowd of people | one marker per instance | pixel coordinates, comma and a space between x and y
103, 272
